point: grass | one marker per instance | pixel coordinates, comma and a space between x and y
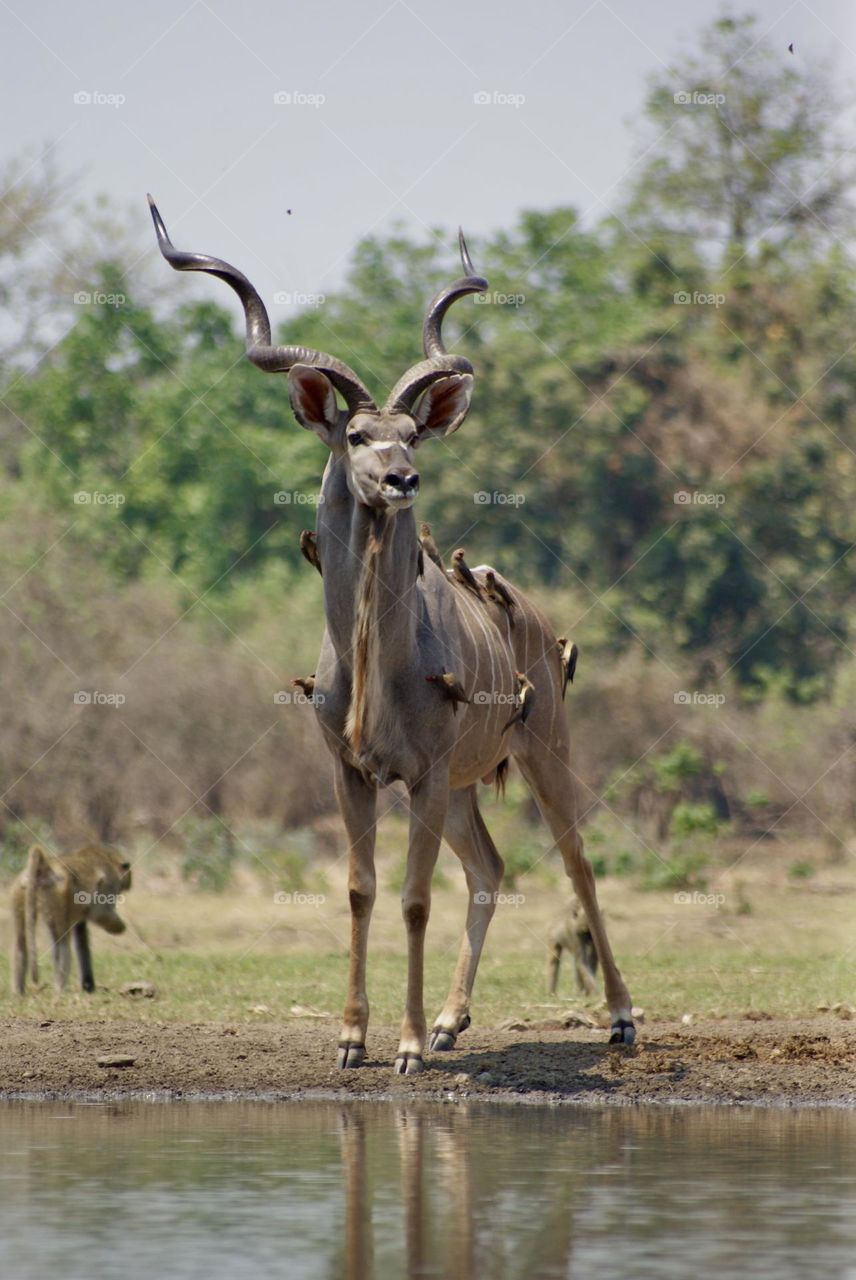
754, 939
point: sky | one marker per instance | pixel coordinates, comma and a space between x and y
276, 136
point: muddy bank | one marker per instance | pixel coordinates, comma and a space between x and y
810, 1061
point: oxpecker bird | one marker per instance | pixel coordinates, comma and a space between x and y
309, 549
429, 545
498, 592
568, 653
525, 701
450, 687
464, 575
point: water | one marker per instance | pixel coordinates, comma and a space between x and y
173, 1191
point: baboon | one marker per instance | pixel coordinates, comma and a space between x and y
572, 933
70, 893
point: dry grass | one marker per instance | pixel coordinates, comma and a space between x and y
774, 942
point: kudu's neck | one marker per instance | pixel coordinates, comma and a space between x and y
369, 564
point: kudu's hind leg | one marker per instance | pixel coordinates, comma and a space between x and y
470, 839
553, 787
358, 803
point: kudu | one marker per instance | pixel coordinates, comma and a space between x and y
391, 632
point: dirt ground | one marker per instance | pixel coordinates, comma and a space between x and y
809, 1061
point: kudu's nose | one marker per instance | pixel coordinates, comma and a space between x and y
407, 482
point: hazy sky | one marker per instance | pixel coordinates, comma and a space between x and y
383, 120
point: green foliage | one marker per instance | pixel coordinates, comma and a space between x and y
756, 799
598, 396
748, 128
208, 854
672, 768
693, 819
604, 851
521, 857
15, 844
802, 870
683, 868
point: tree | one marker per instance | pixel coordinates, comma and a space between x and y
746, 149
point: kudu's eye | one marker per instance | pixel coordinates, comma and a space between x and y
356, 437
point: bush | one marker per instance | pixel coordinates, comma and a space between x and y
693, 819
681, 869
209, 853
16, 842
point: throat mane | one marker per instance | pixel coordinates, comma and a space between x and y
364, 632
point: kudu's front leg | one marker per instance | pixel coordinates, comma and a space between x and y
428, 803
358, 803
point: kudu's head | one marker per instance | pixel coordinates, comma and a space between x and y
376, 445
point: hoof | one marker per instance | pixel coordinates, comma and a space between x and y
351, 1054
409, 1064
442, 1040
623, 1032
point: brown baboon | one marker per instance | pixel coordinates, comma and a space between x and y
572, 933
69, 893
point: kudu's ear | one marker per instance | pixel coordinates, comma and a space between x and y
313, 401
444, 405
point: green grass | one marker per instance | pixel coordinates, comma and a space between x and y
722, 976
748, 938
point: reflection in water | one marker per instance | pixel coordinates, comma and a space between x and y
367, 1191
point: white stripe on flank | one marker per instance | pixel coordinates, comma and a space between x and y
474, 649
492, 640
